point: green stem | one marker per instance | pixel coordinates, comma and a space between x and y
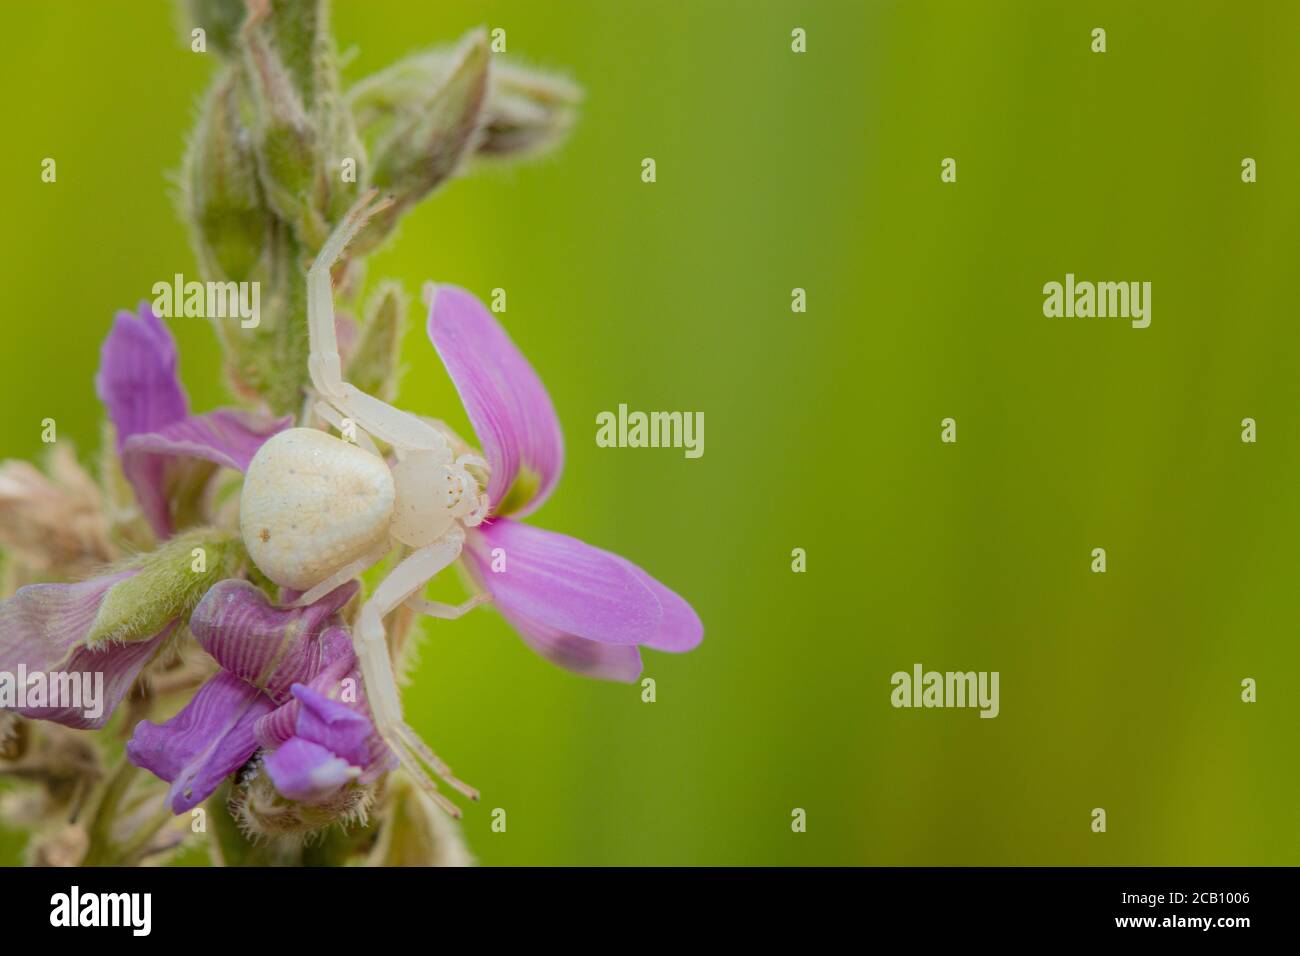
132, 848
99, 852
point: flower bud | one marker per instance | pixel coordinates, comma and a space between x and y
167, 586
374, 364
14, 737
527, 112
219, 19
222, 198
430, 134
285, 141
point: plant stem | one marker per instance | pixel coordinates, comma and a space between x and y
99, 832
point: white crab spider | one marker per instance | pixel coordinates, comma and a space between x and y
316, 511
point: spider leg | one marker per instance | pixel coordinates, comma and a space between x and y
400, 429
371, 646
341, 576
329, 414
446, 612
324, 364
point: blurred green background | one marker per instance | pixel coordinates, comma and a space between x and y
820, 170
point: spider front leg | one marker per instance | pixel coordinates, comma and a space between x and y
446, 612
324, 364
330, 415
371, 646
400, 429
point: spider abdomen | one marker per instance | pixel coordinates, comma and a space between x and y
311, 504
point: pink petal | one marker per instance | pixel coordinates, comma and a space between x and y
335, 726
264, 651
204, 743
344, 730
505, 400
307, 772
619, 662
229, 437
271, 647
682, 628
330, 746
138, 384
137, 379
275, 729
42, 629
378, 759
557, 582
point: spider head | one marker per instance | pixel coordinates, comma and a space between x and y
432, 494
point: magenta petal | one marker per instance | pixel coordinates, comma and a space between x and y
41, 630
376, 759
307, 772
204, 743
282, 723
682, 628
276, 728
332, 725
270, 647
42, 623
373, 755
137, 379
505, 400
229, 437
560, 583
620, 662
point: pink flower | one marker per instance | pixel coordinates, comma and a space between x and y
578, 606
289, 684
44, 627
138, 385
44, 630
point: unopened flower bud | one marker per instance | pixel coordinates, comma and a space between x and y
527, 112
223, 200
14, 735
285, 141
374, 364
430, 134
219, 20
166, 587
